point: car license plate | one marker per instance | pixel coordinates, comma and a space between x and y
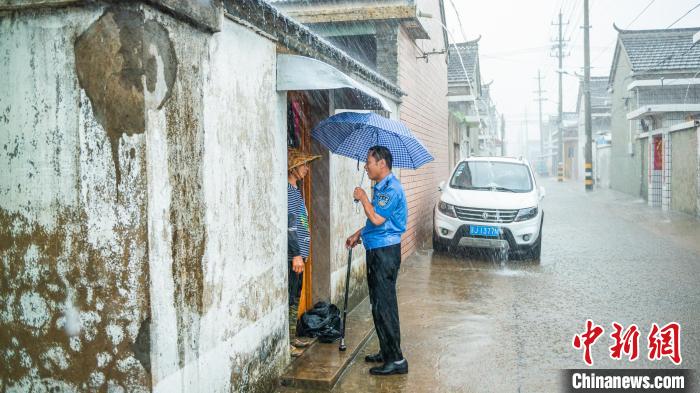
482, 230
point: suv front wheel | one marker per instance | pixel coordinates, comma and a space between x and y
439, 245
534, 251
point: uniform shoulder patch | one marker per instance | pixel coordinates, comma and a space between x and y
383, 199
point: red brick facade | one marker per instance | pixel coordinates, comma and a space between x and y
424, 111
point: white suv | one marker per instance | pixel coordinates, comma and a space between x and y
490, 202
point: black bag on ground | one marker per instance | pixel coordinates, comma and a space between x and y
322, 321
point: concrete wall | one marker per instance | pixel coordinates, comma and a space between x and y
74, 240
143, 204
684, 167
344, 221
238, 340
602, 166
424, 111
625, 169
454, 140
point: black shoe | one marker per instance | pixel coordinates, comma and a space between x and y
390, 368
376, 358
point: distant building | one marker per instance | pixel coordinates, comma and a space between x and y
489, 135
551, 146
464, 89
572, 158
655, 107
600, 129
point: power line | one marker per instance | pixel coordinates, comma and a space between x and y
626, 27
684, 15
563, 4
578, 31
519, 51
640, 14
667, 58
571, 29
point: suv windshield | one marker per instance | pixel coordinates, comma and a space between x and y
492, 175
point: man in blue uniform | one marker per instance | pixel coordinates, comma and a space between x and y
386, 222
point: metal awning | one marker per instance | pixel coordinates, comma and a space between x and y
649, 110
304, 73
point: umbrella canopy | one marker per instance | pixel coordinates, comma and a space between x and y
351, 134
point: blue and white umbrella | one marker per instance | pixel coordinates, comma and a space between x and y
351, 134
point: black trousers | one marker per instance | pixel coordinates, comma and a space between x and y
294, 287
294, 284
382, 271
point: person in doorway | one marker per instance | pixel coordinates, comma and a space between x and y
386, 222
298, 239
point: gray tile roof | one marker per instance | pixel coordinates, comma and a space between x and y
469, 52
485, 102
661, 50
600, 97
570, 120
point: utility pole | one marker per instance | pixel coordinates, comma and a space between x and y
560, 55
524, 137
503, 135
539, 100
587, 97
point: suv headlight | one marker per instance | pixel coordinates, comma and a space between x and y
447, 209
526, 214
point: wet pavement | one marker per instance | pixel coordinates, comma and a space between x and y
478, 324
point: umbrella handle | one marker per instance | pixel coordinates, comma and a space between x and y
357, 204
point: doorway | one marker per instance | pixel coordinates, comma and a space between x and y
305, 109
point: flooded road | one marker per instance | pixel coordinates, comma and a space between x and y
472, 324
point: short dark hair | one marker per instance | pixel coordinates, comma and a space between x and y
381, 153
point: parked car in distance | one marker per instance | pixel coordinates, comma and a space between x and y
490, 203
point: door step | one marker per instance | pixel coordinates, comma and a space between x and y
321, 365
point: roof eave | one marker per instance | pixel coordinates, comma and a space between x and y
615, 60
405, 13
298, 38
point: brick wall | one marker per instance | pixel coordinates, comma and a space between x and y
424, 111
387, 50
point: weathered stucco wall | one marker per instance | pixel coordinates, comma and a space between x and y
73, 193
240, 343
625, 169
684, 166
142, 211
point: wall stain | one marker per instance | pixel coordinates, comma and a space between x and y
358, 285
112, 56
259, 296
258, 371
64, 262
185, 139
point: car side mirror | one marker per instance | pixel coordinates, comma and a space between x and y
542, 193
441, 186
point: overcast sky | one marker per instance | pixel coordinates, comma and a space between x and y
516, 36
